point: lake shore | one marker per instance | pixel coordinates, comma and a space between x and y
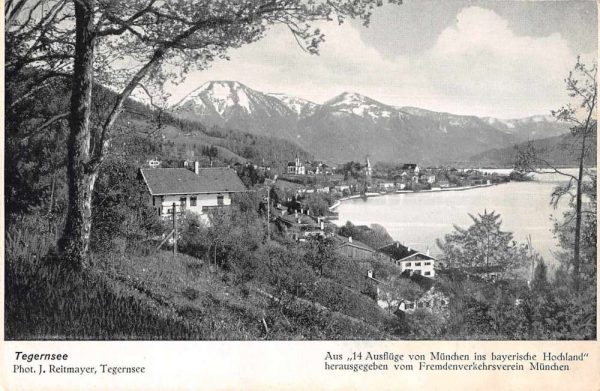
436, 190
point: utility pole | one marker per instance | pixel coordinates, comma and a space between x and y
269, 213
174, 230
269, 185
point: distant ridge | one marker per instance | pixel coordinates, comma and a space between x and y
350, 126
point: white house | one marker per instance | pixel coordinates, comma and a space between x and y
428, 178
387, 185
196, 191
410, 260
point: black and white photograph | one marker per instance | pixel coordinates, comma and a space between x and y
300, 170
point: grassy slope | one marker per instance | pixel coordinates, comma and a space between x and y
165, 297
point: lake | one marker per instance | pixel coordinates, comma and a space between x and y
418, 219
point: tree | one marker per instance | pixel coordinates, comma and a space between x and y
482, 244
581, 86
121, 211
317, 204
376, 236
399, 288
564, 228
321, 253
139, 44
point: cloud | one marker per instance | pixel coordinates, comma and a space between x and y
477, 66
483, 64
277, 64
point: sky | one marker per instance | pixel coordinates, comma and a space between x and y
505, 59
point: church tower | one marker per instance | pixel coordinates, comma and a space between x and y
368, 168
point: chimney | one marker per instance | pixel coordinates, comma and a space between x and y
302, 210
322, 225
370, 273
397, 244
296, 214
427, 252
350, 239
308, 212
197, 167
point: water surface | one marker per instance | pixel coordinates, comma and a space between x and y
418, 219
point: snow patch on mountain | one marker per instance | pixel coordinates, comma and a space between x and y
351, 102
298, 105
221, 95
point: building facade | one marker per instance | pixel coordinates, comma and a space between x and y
196, 191
410, 260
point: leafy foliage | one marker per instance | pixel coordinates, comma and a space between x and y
482, 244
375, 236
121, 213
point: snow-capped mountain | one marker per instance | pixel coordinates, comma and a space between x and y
532, 127
363, 106
234, 105
350, 125
301, 107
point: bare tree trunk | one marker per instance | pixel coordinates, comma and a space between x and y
51, 203
74, 242
578, 202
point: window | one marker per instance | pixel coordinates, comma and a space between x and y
427, 273
193, 201
418, 272
427, 263
417, 263
409, 306
220, 200
182, 202
420, 305
407, 264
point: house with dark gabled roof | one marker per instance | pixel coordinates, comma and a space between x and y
354, 249
409, 259
196, 191
300, 226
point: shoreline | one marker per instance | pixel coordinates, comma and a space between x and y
436, 190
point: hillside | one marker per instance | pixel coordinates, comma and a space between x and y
350, 126
558, 151
186, 139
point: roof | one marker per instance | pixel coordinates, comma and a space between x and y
344, 241
305, 220
165, 181
399, 252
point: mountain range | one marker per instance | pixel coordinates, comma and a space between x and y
351, 126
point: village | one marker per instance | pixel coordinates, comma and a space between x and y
299, 205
